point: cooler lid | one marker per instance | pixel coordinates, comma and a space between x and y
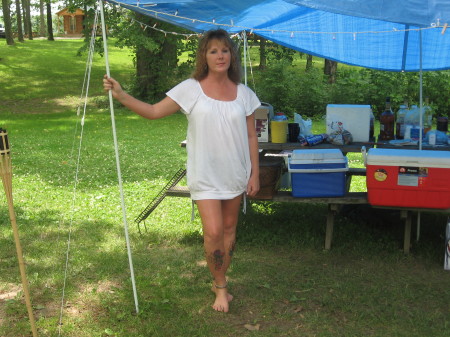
317, 156
396, 157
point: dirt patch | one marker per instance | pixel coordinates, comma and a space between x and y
8, 292
51, 105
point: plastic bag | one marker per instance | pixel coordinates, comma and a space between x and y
338, 135
305, 125
441, 137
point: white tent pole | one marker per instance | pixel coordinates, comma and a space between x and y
420, 90
244, 35
116, 148
421, 118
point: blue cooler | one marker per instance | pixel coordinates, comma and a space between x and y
318, 173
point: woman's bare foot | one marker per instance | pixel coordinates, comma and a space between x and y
222, 298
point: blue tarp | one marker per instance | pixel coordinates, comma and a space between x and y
378, 34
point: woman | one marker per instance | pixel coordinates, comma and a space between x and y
222, 146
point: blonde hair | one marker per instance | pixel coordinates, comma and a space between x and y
201, 66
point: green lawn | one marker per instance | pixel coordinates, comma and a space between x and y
284, 282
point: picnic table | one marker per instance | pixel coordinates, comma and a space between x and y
334, 204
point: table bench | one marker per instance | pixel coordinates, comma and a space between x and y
334, 203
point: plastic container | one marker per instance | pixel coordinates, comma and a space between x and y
279, 130
318, 173
354, 118
400, 123
408, 178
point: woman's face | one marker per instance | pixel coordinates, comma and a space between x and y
218, 57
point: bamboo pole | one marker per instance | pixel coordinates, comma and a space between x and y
6, 174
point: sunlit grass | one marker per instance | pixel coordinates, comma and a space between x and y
28, 70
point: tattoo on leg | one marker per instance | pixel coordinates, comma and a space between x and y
232, 248
217, 258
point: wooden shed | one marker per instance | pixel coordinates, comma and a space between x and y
73, 22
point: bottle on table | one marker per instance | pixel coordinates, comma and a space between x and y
387, 122
400, 122
442, 124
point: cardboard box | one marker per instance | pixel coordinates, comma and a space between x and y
263, 115
408, 178
318, 173
355, 119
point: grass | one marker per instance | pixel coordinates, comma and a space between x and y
283, 281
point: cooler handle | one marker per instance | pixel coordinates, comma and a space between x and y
344, 169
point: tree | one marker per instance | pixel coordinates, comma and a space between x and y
49, 21
7, 20
27, 19
155, 52
154, 64
42, 26
19, 22
262, 54
330, 69
309, 62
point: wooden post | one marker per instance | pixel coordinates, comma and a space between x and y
332, 209
6, 174
405, 214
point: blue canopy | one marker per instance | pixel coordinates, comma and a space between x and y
378, 34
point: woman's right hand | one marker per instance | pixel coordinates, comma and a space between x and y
111, 84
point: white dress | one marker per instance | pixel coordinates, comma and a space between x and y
218, 155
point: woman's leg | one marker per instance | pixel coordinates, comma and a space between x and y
219, 218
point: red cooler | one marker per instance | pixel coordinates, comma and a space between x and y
408, 178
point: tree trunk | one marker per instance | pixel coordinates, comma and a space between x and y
49, 22
309, 62
27, 19
7, 21
153, 67
330, 68
19, 22
42, 25
86, 32
262, 54
24, 17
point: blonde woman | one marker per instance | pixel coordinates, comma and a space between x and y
222, 146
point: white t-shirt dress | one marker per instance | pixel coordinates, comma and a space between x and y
218, 155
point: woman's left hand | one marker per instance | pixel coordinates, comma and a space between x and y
253, 185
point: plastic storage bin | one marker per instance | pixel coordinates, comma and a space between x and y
408, 178
318, 173
355, 119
